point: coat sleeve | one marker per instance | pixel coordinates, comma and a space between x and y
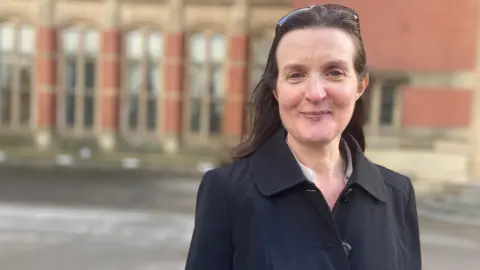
414, 257
211, 244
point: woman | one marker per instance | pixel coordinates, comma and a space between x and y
300, 194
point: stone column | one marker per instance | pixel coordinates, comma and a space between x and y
46, 75
474, 157
236, 72
108, 94
174, 76
374, 113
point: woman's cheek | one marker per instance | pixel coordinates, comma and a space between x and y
289, 98
342, 96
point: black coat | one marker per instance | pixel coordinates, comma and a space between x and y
260, 213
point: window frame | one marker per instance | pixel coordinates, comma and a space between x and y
204, 135
143, 97
268, 33
80, 92
16, 58
377, 85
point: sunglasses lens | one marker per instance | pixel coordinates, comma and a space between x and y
331, 8
285, 18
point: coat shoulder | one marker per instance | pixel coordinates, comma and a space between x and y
396, 180
233, 174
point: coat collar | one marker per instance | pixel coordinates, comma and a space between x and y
275, 169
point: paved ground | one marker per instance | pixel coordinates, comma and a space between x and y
129, 220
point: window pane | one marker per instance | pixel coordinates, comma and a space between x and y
195, 111
5, 76
69, 109
387, 104
88, 111
132, 112
197, 48
70, 74
92, 41
155, 45
90, 74
27, 39
151, 114
197, 80
257, 74
70, 40
24, 108
5, 104
367, 101
134, 77
134, 42
7, 37
261, 48
217, 48
216, 109
25, 78
154, 78
216, 90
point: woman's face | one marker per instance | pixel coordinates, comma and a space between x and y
317, 86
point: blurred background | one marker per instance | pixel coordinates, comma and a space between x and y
110, 110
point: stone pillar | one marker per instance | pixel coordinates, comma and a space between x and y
108, 94
374, 113
174, 76
474, 157
46, 75
237, 70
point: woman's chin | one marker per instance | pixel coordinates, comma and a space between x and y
321, 137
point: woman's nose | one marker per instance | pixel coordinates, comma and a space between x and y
316, 89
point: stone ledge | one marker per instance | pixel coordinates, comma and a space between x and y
179, 164
454, 203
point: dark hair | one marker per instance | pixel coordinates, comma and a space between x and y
266, 118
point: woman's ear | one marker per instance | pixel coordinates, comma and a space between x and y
362, 86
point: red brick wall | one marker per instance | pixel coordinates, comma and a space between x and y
46, 78
109, 92
429, 35
174, 75
237, 83
436, 108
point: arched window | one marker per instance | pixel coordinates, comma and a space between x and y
207, 54
143, 80
78, 78
17, 52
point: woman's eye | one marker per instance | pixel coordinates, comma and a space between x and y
335, 73
295, 75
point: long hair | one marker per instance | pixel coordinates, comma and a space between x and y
266, 117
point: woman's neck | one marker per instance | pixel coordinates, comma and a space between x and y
326, 160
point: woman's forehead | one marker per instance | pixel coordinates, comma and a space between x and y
315, 45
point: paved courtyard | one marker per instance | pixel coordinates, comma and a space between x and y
138, 221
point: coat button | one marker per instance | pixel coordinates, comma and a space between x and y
345, 195
347, 248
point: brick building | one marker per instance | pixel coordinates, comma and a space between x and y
177, 73
163, 73
424, 58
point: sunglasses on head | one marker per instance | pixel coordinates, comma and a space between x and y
331, 8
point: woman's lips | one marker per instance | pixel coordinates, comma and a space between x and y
316, 115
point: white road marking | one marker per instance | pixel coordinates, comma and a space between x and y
436, 239
21, 223
64, 160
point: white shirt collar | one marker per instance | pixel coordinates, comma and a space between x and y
310, 174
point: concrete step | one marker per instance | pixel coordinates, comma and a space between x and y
453, 203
